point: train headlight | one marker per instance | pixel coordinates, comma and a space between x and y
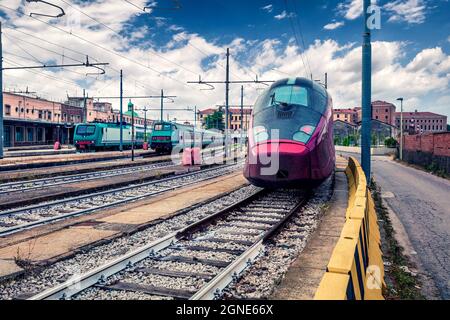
260, 134
304, 134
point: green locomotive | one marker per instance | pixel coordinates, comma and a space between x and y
106, 136
168, 135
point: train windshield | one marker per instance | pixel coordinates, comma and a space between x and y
288, 112
162, 127
85, 130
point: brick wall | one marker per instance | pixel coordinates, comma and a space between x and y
426, 149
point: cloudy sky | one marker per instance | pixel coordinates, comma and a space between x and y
173, 42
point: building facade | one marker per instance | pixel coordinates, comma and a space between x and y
30, 120
384, 112
234, 117
346, 115
421, 122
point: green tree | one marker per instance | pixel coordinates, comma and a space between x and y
215, 121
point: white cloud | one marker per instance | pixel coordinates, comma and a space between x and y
351, 9
185, 56
268, 8
284, 15
334, 25
410, 11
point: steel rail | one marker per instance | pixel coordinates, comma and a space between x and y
15, 229
47, 182
213, 289
98, 275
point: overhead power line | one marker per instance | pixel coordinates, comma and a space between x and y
101, 47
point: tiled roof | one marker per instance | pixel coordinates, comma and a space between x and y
419, 114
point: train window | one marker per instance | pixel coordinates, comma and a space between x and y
284, 94
86, 130
291, 95
163, 127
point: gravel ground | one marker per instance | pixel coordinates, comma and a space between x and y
25, 216
97, 256
259, 281
134, 275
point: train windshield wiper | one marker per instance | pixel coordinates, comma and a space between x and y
278, 103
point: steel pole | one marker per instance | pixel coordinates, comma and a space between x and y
366, 95
84, 106
1, 95
242, 114
195, 124
121, 111
145, 124
132, 131
162, 105
401, 129
227, 105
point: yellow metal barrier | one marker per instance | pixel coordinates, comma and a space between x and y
355, 270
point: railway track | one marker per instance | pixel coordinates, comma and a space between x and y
28, 185
15, 220
197, 262
22, 186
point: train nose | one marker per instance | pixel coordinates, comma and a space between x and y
278, 163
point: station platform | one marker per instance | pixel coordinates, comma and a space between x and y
39, 161
56, 241
304, 275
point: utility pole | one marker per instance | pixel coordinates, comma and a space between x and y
242, 113
145, 123
162, 105
195, 123
1, 94
131, 107
121, 111
227, 83
326, 80
366, 95
227, 101
84, 106
401, 127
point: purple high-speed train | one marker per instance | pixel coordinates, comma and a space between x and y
290, 140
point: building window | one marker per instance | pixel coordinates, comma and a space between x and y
49, 115
40, 114
19, 134
40, 134
30, 134
7, 110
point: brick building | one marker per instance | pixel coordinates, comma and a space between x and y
234, 116
421, 122
30, 120
346, 115
383, 111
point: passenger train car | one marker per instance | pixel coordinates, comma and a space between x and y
168, 135
291, 136
106, 136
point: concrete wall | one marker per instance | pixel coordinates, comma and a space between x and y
375, 151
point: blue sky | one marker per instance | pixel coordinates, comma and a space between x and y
164, 49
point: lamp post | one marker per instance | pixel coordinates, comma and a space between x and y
401, 127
